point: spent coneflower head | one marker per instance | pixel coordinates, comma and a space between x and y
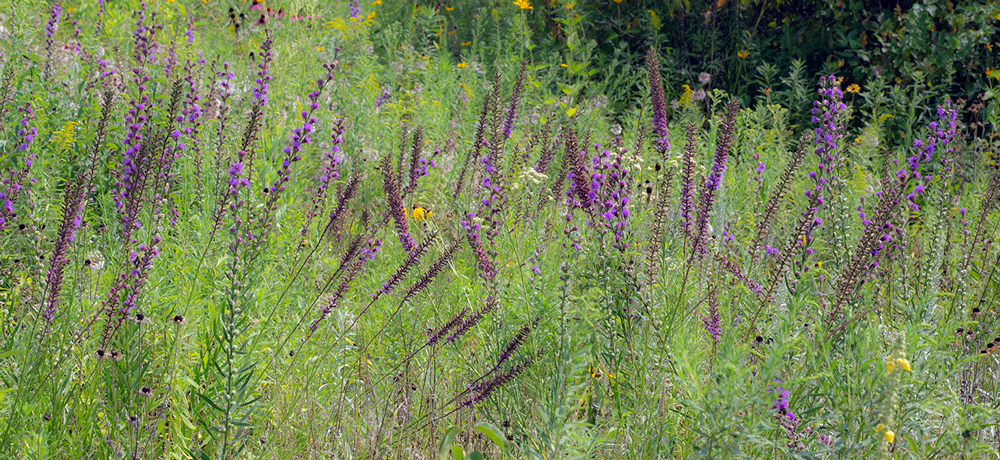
140, 318
178, 319
145, 392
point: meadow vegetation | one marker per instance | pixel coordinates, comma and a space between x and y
514, 229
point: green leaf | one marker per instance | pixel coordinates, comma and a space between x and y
493, 433
444, 450
474, 455
457, 453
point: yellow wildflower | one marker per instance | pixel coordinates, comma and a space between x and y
563, 65
421, 213
569, 6
879, 428
890, 436
449, 8
523, 4
654, 20
462, 65
618, 1
853, 88
743, 54
377, 2
687, 97
370, 16
890, 366
466, 43
989, 46
997, 16
903, 363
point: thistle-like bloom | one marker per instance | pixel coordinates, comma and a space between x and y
515, 100
827, 114
50, 29
787, 419
396, 208
687, 180
609, 186
17, 179
712, 321
714, 180
659, 105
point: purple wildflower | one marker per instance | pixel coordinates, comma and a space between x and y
659, 105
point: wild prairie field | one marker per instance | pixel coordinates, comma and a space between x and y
294, 229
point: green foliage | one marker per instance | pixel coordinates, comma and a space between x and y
283, 315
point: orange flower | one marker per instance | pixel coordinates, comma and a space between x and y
743, 54
853, 89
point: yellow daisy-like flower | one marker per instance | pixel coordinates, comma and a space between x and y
743, 54
853, 88
879, 428
890, 436
377, 2
449, 8
564, 65
617, 1
569, 6
462, 65
997, 16
466, 43
989, 46
523, 4
421, 213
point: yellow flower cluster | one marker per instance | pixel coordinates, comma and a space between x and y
901, 362
688, 97
523, 4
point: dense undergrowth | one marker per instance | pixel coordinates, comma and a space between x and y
293, 231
